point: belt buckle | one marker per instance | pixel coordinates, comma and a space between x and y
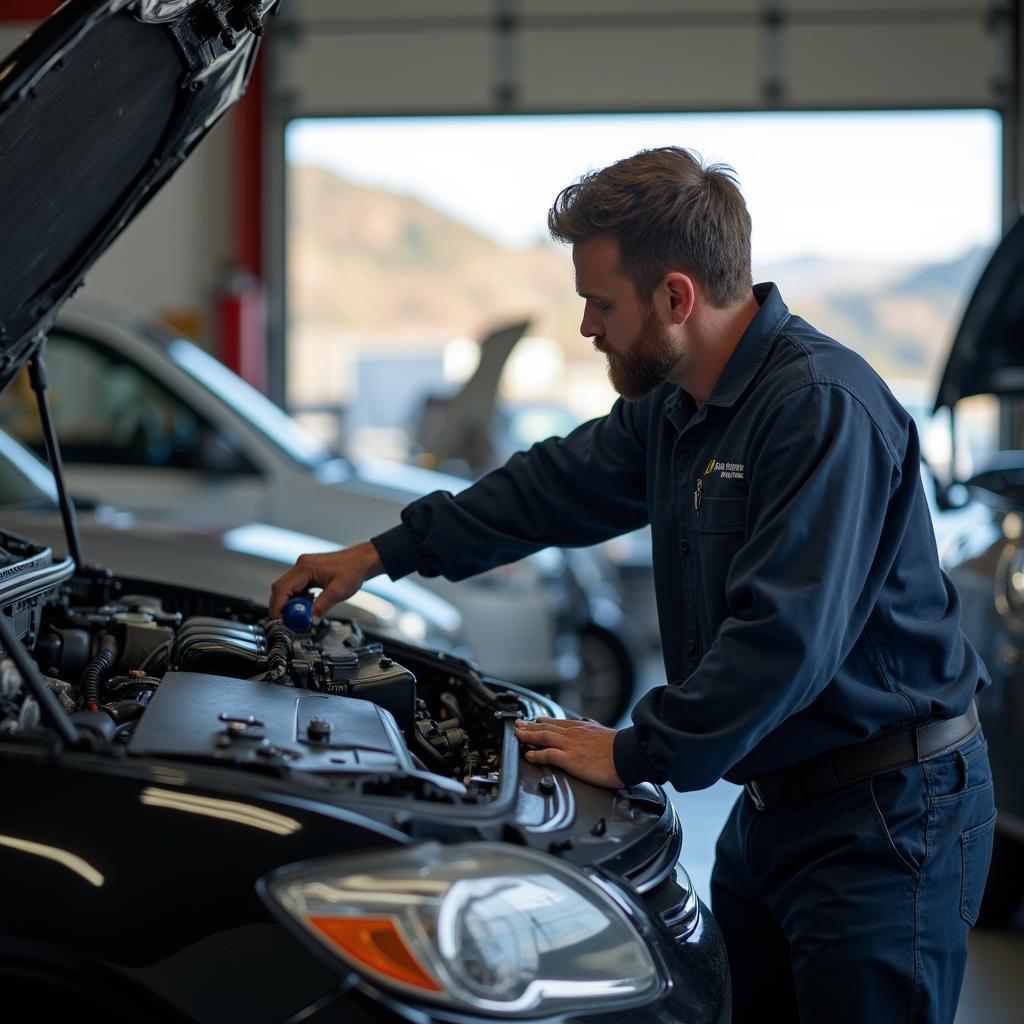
755, 794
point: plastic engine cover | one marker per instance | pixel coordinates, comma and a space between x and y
239, 720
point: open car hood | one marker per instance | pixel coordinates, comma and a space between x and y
98, 108
987, 357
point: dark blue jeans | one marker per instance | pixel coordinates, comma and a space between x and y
855, 906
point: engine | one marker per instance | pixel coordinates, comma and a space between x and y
243, 690
338, 660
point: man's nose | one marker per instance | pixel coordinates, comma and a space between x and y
588, 327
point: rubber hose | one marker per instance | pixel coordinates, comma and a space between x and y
97, 670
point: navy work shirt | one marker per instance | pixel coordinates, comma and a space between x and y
800, 599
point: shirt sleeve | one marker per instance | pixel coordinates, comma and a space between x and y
572, 491
827, 501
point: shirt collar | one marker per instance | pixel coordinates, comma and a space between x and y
750, 353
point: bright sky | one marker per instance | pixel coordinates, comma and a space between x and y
880, 187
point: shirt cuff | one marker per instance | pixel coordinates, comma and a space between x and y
398, 552
632, 764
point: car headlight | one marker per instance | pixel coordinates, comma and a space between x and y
479, 927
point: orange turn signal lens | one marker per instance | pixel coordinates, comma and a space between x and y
377, 943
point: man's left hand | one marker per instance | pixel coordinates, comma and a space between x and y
583, 749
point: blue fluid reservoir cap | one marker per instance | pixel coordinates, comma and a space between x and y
298, 614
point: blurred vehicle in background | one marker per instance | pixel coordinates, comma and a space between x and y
231, 559
631, 560
985, 555
463, 433
148, 420
471, 432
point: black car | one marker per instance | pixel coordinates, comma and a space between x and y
986, 558
210, 817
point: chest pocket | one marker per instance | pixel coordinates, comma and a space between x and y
720, 530
722, 515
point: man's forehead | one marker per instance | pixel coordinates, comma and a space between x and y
597, 262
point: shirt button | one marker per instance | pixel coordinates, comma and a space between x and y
685, 452
691, 647
684, 546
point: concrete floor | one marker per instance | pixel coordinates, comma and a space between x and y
993, 990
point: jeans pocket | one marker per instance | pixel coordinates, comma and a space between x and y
976, 854
900, 811
960, 773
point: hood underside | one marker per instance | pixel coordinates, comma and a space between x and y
98, 108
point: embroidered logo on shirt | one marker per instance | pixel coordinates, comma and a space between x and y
726, 470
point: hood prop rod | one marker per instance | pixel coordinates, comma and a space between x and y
40, 381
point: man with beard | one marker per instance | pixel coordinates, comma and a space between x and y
811, 642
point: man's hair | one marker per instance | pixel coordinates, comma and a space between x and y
668, 212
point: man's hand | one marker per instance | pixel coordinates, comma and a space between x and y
340, 573
583, 749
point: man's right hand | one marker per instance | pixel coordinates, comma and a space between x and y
339, 573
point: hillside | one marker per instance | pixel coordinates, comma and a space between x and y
371, 260
901, 318
366, 262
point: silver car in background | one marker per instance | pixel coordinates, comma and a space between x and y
233, 559
148, 420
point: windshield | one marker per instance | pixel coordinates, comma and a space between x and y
255, 408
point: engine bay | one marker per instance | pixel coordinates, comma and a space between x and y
172, 673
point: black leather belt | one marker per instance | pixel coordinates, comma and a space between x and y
844, 765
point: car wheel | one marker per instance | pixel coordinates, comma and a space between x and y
607, 676
1004, 890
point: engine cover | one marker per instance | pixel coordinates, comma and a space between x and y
238, 720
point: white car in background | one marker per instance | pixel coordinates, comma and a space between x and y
148, 420
233, 559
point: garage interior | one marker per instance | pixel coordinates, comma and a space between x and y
213, 255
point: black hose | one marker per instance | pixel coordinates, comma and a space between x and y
97, 670
163, 651
478, 688
451, 704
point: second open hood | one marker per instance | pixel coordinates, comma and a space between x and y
987, 356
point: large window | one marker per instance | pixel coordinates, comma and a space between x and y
411, 237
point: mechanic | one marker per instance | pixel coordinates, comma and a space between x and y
812, 642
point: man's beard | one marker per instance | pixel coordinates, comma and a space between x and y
648, 362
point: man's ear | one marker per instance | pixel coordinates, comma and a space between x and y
680, 291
